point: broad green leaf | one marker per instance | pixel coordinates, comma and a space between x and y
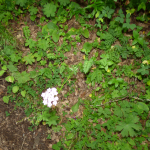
148, 83
142, 106
2, 72
23, 93
148, 34
70, 136
9, 79
15, 89
148, 123
87, 65
52, 26
132, 26
4, 67
55, 36
135, 34
142, 6
87, 48
75, 107
140, 41
134, 41
85, 33
6, 99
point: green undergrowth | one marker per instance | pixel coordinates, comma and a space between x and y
116, 116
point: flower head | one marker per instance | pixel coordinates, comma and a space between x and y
49, 97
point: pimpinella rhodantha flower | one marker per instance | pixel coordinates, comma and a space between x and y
49, 97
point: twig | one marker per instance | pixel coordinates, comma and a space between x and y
137, 98
23, 141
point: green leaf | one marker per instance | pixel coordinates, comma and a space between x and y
30, 42
115, 94
49, 9
29, 59
142, 6
142, 107
22, 77
33, 10
87, 48
51, 56
85, 33
43, 44
49, 137
7, 113
6, 99
129, 126
15, 57
52, 26
55, 36
132, 26
148, 123
135, 34
12, 68
87, 65
148, 83
23, 93
2, 72
148, 34
75, 107
15, 89
70, 136
21, 2
140, 41
9, 79
64, 2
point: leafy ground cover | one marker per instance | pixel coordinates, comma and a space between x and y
95, 53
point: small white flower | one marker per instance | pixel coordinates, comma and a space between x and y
49, 97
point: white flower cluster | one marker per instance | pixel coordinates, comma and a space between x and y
49, 97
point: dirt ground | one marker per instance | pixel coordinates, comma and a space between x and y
14, 132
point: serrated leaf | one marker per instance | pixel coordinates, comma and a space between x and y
64, 2
21, 2
129, 126
9, 79
85, 33
49, 9
55, 36
87, 65
29, 59
22, 77
15, 89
